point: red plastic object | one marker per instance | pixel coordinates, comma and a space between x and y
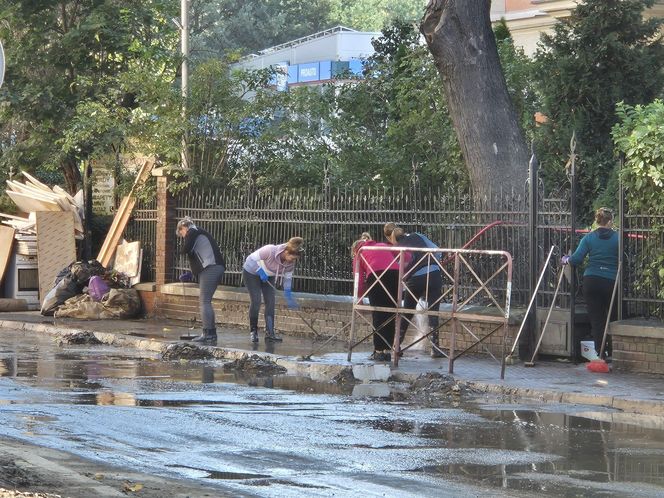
598, 366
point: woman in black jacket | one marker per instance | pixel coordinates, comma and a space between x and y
207, 264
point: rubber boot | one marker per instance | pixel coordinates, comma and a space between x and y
270, 336
435, 348
254, 335
209, 336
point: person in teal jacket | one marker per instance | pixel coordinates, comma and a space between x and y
601, 247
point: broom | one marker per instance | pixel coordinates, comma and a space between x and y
599, 365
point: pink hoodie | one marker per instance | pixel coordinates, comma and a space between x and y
374, 260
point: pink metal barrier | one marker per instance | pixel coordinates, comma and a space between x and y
476, 289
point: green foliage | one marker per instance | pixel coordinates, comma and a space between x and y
375, 15
639, 136
603, 54
519, 72
370, 131
221, 27
62, 98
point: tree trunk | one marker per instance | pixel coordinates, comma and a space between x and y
460, 38
72, 176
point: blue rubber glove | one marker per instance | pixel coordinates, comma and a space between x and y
290, 300
263, 276
186, 276
564, 260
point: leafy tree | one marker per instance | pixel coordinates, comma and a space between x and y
519, 72
374, 15
604, 53
222, 27
64, 58
368, 131
639, 135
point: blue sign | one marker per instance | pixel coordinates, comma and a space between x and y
308, 72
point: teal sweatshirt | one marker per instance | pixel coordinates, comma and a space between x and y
601, 246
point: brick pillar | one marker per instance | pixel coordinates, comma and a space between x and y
166, 223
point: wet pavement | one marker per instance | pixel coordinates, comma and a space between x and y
288, 436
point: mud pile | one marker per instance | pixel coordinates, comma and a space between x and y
79, 337
256, 365
433, 388
185, 351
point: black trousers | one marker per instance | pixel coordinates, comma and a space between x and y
383, 321
420, 290
597, 292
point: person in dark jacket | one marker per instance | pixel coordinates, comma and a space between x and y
423, 280
601, 247
207, 264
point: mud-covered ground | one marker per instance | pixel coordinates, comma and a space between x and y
89, 420
27, 470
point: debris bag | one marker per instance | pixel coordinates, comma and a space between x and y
117, 303
97, 288
65, 289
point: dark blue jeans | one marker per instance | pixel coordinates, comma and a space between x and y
208, 280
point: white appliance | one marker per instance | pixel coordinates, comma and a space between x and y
22, 279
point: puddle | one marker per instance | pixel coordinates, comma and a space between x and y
217, 474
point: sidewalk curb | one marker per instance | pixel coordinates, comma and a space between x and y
626, 405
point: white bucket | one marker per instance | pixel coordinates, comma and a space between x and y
588, 350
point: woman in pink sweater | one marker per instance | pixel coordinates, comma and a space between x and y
263, 269
374, 265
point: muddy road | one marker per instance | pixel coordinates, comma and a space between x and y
139, 425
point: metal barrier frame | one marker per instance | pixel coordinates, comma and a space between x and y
458, 314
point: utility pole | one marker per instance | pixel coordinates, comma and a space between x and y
184, 37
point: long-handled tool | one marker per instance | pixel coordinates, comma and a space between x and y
600, 365
508, 358
531, 363
317, 334
189, 335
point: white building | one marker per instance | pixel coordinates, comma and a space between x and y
315, 59
528, 19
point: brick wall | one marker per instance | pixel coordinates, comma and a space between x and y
638, 346
327, 315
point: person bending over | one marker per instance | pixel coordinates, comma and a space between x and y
262, 270
207, 264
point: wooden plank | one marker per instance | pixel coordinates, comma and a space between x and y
56, 247
121, 218
36, 182
28, 204
6, 246
115, 231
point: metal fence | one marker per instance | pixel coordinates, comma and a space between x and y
642, 245
331, 219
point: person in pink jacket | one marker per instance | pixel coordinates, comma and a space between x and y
372, 266
263, 269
